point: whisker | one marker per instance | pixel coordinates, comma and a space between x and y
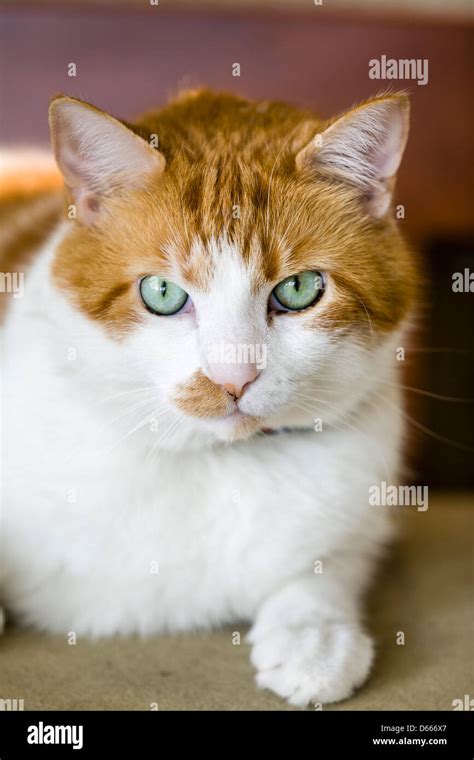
368, 318
149, 417
125, 393
172, 428
430, 394
428, 431
345, 425
129, 409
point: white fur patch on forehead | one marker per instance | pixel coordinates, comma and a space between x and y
227, 307
217, 261
230, 274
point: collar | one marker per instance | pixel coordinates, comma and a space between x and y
277, 431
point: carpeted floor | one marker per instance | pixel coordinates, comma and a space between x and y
424, 590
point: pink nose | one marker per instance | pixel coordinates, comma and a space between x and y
234, 378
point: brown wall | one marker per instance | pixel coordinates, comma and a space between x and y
128, 60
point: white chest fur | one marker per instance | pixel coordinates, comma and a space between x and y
100, 535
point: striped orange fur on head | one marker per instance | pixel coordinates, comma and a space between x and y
252, 172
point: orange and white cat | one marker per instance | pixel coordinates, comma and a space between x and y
199, 380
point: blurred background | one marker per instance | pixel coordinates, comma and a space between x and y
130, 55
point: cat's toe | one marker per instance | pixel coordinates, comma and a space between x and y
318, 664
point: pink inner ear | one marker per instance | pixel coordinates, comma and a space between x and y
363, 148
76, 179
91, 203
87, 204
99, 155
74, 176
390, 153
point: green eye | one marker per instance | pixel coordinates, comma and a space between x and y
298, 291
162, 297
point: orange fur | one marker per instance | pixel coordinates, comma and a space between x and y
199, 397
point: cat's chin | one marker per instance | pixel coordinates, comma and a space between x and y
234, 427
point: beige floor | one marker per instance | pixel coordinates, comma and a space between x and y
425, 590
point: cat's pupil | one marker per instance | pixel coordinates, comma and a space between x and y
163, 287
296, 283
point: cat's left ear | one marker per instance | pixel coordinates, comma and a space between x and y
364, 148
98, 155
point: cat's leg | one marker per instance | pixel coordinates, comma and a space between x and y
308, 644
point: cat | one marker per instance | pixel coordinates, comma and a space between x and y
200, 378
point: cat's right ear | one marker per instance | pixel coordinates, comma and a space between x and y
364, 148
98, 155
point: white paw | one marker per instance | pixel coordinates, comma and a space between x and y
320, 663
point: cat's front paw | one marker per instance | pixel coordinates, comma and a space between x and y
310, 664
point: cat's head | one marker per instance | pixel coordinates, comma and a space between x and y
242, 256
